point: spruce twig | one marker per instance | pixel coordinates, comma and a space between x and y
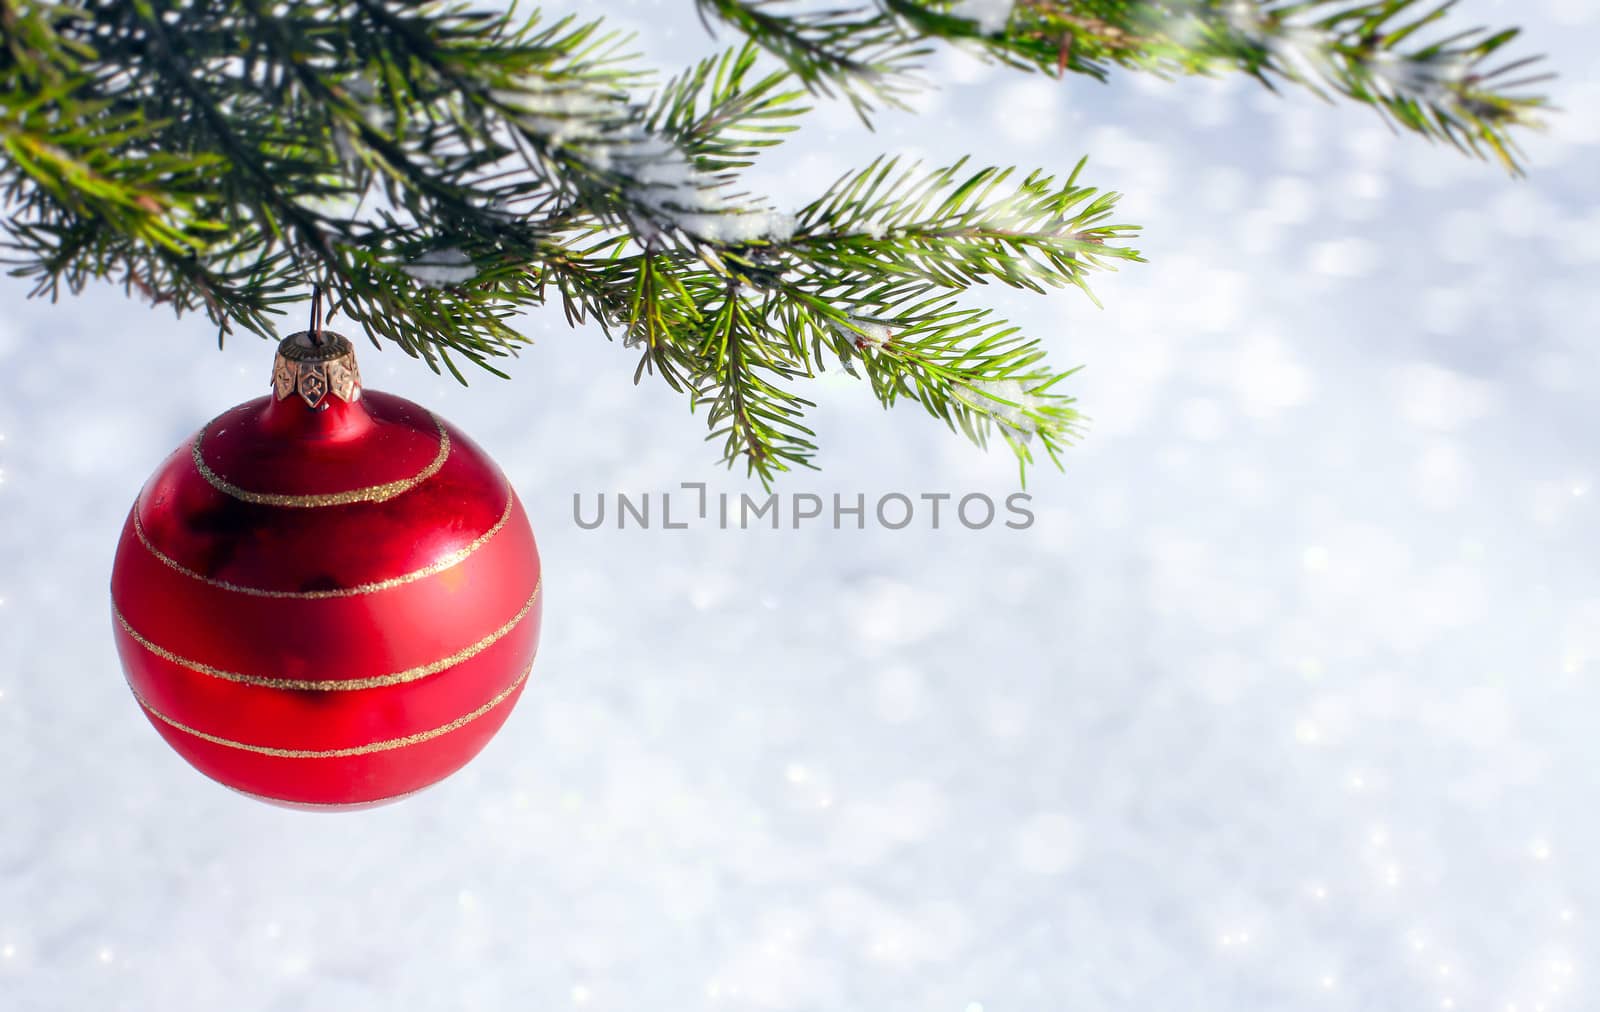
440, 170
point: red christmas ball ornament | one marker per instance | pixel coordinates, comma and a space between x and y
328, 596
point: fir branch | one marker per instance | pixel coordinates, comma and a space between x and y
1447, 88
743, 366
1376, 53
865, 282
441, 170
857, 52
940, 227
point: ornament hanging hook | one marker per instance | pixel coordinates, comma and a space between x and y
315, 329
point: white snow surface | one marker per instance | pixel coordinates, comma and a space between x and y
672, 194
1287, 700
991, 15
442, 267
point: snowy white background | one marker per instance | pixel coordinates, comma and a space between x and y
1289, 700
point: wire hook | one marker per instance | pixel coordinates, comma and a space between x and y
315, 329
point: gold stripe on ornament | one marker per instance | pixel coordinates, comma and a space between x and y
372, 493
341, 753
359, 590
334, 684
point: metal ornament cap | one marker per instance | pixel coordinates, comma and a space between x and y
314, 371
